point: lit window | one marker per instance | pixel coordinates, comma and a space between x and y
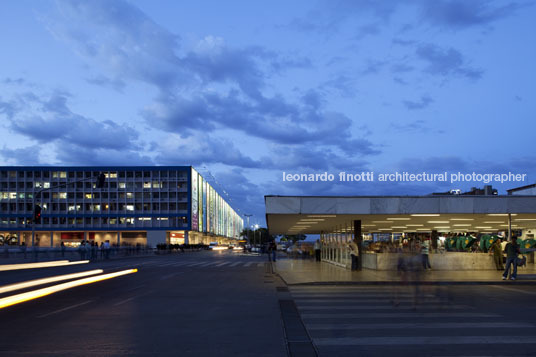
4, 195
63, 174
46, 184
63, 195
96, 207
89, 196
112, 175
13, 195
162, 218
71, 208
146, 185
130, 220
113, 220
144, 218
122, 185
130, 195
156, 184
38, 184
21, 195
130, 207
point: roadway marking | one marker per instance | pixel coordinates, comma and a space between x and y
419, 325
221, 264
170, 275
195, 264
383, 307
166, 264
131, 298
423, 340
514, 289
357, 301
235, 264
248, 264
207, 264
64, 309
260, 265
136, 288
396, 315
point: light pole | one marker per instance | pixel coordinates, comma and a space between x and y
247, 216
255, 236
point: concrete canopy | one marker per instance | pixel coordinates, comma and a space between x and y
394, 214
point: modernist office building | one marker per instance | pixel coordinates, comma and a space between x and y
146, 205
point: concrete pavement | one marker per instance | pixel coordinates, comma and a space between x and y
306, 271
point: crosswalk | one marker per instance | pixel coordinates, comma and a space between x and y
381, 320
203, 264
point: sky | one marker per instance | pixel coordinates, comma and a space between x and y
246, 91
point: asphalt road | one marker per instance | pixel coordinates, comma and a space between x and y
193, 304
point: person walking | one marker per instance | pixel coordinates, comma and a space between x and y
512, 250
318, 249
62, 247
354, 253
496, 251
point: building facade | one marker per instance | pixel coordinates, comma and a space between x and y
144, 205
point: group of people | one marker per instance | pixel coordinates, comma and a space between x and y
90, 250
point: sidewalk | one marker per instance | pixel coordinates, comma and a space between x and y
309, 272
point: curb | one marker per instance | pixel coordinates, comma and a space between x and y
393, 283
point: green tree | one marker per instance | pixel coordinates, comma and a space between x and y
294, 238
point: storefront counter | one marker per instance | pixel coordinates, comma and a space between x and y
438, 261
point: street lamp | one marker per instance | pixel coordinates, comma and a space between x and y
255, 236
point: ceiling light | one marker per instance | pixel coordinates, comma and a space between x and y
438, 222
425, 215
462, 219
399, 219
322, 216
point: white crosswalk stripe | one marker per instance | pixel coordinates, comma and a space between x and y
383, 317
192, 264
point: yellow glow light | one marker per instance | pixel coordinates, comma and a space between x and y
30, 295
53, 279
55, 263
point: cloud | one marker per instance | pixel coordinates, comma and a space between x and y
414, 126
29, 155
460, 14
68, 153
116, 84
446, 62
424, 102
201, 149
185, 79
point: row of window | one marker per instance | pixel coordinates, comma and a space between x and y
99, 221
93, 174
181, 196
29, 185
94, 207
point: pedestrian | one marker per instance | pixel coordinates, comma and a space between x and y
107, 249
511, 250
272, 250
425, 250
82, 250
318, 249
62, 247
354, 253
496, 251
23, 248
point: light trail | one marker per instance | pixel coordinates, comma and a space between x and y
52, 279
56, 263
30, 295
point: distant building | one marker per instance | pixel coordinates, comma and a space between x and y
523, 190
488, 190
145, 204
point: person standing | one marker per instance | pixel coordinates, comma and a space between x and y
318, 249
272, 250
496, 250
512, 250
354, 253
62, 247
425, 250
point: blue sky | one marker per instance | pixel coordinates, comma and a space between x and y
247, 90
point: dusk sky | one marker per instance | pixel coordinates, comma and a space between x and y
247, 90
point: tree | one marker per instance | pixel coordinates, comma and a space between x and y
294, 238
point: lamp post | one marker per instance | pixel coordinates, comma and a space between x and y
255, 236
248, 227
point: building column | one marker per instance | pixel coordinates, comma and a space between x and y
358, 238
118, 238
52, 238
